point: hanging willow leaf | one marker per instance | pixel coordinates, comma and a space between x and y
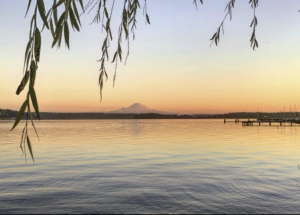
60, 36
30, 116
76, 12
29, 147
23, 83
58, 30
59, 23
148, 20
28, 59
73, 20
37, 45
34, 101
31, 26
29, 2
54, 13
125, 29
32, 73
59, 3
52, 28
114, 58
26, 52
22, 140
106, 13
20, 114
41, 8
66, 34
67, 3
81, 4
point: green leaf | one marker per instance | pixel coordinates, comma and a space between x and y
59, 39
23, 83
73, 20
34, 101
148, 20
110, 34
107, 25
41, 8
55, 13
32, 73
106, 13
60, 21
59, 3
81, 4
120, 53
252, 23
104, 44
29, 147
20, 114
22, 139
114, 58
125, 29
28, 59
37, 46
66, 34
26, 52
30, 116
213, 36
52, 28
57, 36
58, 30
67, 8
29, 2
31, 25
76, 12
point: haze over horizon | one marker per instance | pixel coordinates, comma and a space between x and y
171, 66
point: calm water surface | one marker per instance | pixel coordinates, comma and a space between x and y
151, 166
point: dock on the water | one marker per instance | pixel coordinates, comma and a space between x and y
235, 121
269, 121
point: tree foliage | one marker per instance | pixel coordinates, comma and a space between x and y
59, 26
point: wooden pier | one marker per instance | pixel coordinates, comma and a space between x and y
235, 121
269, 121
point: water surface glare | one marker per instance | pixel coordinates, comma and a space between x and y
151, 166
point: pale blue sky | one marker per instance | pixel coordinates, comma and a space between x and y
171, 65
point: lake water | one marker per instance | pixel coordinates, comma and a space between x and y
151, 166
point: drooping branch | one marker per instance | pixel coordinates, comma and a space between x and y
195, 3
105, 46
253, 41
216, 37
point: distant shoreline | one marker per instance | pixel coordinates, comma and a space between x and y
6, 114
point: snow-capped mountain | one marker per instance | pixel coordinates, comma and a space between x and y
138, 108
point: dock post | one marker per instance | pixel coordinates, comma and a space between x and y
224, 120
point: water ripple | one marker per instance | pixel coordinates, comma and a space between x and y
151, 166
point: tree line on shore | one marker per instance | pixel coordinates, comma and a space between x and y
7, 114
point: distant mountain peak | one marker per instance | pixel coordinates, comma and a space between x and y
138, 108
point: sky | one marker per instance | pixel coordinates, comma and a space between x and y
171, 66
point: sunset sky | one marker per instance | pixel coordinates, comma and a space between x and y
171, 66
